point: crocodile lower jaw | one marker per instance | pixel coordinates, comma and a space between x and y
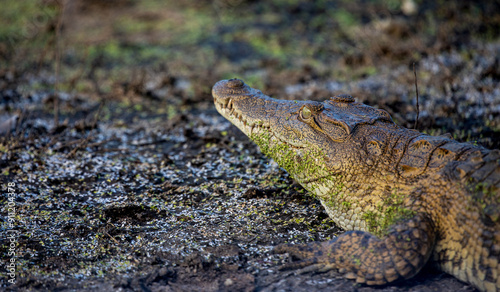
232, 114
248, 127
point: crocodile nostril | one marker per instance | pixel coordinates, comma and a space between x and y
235, 83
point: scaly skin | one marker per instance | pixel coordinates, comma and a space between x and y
409, 197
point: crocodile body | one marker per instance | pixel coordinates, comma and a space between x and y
404, 197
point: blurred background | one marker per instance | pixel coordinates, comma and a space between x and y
176, 50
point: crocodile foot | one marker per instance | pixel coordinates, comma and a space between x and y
366, 258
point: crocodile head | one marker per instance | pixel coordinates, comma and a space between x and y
309, 139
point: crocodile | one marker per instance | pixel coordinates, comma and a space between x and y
404, 198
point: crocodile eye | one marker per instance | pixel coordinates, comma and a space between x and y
305, 113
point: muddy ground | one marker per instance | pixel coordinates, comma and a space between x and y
120, 174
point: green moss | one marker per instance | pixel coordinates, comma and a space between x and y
255, 80
301, 167
20, 20
389, 211
484, 198
356, 260
269, 44
346, 205
338, 199
345, 19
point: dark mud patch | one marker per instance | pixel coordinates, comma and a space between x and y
136, 214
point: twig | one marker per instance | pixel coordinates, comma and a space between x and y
116, 241
58, 63
68, 144
92, 75
416, 90
100, 143
97, 115
52, 141
82, 144
108, 150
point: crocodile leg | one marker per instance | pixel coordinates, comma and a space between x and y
366, 258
